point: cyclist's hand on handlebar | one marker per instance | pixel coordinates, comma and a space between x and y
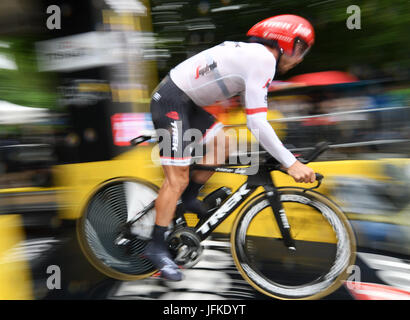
301, 173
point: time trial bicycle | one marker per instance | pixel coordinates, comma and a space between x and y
287, 242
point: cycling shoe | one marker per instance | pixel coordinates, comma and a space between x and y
160, 258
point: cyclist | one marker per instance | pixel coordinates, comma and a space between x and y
278, 44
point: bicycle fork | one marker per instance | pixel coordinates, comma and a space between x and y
274, 200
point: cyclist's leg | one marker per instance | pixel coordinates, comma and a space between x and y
169, 115
212, 133
217, 150
175, 182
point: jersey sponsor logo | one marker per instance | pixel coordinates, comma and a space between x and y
174, 136
203, 71
173, 115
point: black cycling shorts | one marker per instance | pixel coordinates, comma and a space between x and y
182, 127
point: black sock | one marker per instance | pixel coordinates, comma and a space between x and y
190, 201
192, 191
158, 234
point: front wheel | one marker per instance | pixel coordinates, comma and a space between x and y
325, 246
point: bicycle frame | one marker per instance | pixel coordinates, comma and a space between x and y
261, 178
242, 194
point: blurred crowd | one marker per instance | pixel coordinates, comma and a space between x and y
76, 78
64, 89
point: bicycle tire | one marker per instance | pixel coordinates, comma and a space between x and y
103, 215
320, 283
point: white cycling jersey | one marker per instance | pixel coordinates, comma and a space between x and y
230, 69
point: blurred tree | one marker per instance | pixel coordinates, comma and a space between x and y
20, 81
22, 22
379, 48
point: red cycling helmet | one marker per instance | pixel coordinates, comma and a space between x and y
293, 34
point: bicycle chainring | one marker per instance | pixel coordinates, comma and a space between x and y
185, 247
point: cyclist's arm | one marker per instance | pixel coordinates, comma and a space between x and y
260, 127
255, 98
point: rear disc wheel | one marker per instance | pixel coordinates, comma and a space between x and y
104, 216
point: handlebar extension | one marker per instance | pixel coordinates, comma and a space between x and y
315, 153
140, 139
